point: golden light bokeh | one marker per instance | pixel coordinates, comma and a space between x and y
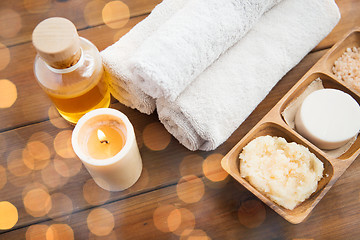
111, 236
252, 213
13, 20
93, 12
36, 232
67, 167
156, 137
3, 178
100, 222
59, 232
5, 56
37, 201
190, 189
8, 215
36, 155
55, 118
187, 222
116, 14
8, 92
61, 204
93, 194
16, 164
191, 165
167, 218
37, 6
52, 178
196, 234
212, 168
62, 144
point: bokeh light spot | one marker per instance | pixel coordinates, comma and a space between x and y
116, 14
59, 232
167, 218
61, 204
52, 178
5, 56
10, 23
191, 165
16, 164
93, 12
8, 92
67, 167
190, 189
156, 137
196, 234
37, 6
8, 215
252, 213
36, 155
93, 194
187, 222
3, 178
100, 221
55, 118
62, 144
212, 168
36, 232
37, 201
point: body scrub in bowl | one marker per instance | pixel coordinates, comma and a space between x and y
287, 173
347, 68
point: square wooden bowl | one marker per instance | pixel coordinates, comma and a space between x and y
273, 124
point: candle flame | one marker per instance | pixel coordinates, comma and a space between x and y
102, 136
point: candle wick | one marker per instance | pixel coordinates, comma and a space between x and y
104, 141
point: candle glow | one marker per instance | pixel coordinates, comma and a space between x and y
102, 137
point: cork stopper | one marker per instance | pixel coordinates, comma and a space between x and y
57, 42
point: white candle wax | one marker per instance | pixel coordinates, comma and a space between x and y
105, 142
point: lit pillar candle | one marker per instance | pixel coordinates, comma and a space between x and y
105, 142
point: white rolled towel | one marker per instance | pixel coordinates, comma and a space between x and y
184, 46
116, 57
210, 109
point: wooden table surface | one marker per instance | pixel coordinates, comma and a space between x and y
180, 195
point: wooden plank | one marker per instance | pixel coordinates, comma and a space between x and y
163, 214
162, 167
19, 18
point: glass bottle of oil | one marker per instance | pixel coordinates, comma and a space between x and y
69, 69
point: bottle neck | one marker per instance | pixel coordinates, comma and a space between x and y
76, 61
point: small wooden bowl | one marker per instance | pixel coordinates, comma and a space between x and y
274, 125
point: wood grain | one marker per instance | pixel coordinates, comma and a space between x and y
134, 217
83, 13
216, 213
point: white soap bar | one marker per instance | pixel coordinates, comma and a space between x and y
328, 118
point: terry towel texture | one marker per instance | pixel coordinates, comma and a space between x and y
184, 46
210, 109
116, 57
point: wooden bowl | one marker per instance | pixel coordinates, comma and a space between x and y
273, 124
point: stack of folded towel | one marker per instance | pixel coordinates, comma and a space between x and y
206, 64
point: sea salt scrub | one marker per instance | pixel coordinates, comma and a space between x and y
347, 68
287, 173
